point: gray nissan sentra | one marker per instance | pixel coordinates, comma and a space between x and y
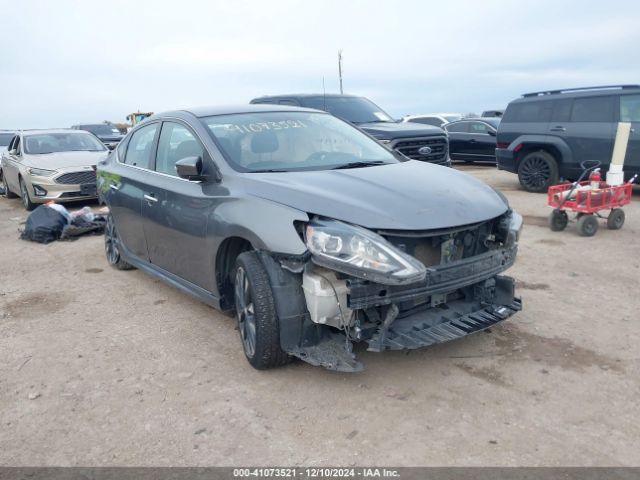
316, 235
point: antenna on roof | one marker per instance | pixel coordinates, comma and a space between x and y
340, 69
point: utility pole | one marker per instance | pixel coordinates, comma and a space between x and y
340, 69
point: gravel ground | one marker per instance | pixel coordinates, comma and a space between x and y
103, 367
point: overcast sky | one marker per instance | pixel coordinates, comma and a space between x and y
65, 62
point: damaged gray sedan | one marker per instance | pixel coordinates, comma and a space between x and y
316, 235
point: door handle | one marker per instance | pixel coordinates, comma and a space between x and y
559, 128
473, 140
114, 187
150, 198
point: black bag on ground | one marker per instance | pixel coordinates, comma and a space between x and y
44, 225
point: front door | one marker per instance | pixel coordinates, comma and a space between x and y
12, 160
482, 145
176, 211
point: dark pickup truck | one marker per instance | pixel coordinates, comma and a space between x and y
416, 141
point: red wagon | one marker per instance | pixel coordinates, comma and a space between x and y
587, 199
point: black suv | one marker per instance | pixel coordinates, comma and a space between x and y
544, 136
416, 141
108, 134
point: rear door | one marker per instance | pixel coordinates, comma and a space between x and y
630, 112
458, 139
482, 144
128, 184
176, 210
590, 130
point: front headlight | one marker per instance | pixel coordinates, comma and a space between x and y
361, 253
40, 172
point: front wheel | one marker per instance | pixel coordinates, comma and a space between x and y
256, 313
588, 225
26, 199
558, 220
538, 171
615, 220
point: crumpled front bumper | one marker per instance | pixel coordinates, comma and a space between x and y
438, 325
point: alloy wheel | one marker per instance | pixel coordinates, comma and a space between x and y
24, 194
111, 242
245, 312
535, 172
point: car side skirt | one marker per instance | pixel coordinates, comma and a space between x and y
171, 279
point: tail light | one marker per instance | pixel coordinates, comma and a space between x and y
502, 145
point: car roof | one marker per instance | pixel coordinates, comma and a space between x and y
232, 109
577, 92
40, 131
493, 121
306, 95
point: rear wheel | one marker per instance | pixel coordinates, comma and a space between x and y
112, 246
538, 171
26, 199
615, 220
588, 225
256, 313
558, 220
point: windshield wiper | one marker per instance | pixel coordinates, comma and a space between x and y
268, 170
359, 164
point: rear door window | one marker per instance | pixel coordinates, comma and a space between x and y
534, 111
462, 127
478, 127
140, 146
562, 110
593, 109
176, 142
630, 108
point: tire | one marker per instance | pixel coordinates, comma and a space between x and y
26, 199
112, 246
538, 171
558, 220
256, 313
615, 220
588, 225
7, 192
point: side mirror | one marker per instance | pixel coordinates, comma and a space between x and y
493, 133
190, 168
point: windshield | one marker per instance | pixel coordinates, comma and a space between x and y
352, 109
290, 141
5, 139
452, 118
101, 129
62, 142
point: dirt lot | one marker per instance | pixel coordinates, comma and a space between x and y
103, 367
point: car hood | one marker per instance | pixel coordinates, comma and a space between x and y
110, 138
56, 160
410, 195
390, 131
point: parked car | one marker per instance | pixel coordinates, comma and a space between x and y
314, 233
108, 134
419, 142
492, 113
5, 138
435, 119
544, 136
473, 140
43, 165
